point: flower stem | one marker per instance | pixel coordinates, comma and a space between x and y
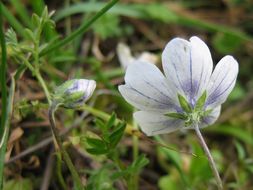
209, 156
43, 85
64, 153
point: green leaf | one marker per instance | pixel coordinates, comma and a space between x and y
94, 142
184, 104
111, 121
19, 184
235, 131
200, 102
116, 135
107, 26
97, 151
240, 150
226, 43
139, 163
99, 123
176, 115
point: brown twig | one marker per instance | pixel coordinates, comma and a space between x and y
48, 171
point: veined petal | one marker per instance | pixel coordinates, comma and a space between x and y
211, 118
153, 123
188, 65
146, 88
222, 81
142, 101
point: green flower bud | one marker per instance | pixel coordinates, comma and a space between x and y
74, 93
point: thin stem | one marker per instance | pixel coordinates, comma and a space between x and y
64, 153
209, 156
43, 85
59, 171
37, 74
135, 140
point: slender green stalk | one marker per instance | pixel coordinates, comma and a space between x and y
37, 74
59, 171
6, 130
22, 12
3, 70
135, 140
83, 28
209, 156
43, 85
12, 21
64, 153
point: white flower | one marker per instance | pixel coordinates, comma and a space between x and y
74, 93
126, 58
188, 93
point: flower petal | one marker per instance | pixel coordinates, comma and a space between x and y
222, 81
153, 123
188, 65
146, 88
211, 118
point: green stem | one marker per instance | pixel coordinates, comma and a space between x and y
59, 171
135, 156
64, 153
43, 85
83, 28
4, 115
209, 156
13, 21
6, 130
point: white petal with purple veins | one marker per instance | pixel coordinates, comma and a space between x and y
188, 65
153, 123
222, 81
146, 88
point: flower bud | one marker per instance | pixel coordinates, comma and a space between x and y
74, 93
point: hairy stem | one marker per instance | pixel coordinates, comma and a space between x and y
64, 153
209, 156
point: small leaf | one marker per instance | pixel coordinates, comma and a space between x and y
176, 115
35, 20
200, 102
95, 142
117, 135
97, 151
30, 35
99, 123
97, 146
111, 121
139, 163
184, 104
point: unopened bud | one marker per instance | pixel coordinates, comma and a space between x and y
74, 93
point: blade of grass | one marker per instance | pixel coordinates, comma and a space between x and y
4, 116
83, 28
22, 12
38, 6
13, 21
6, 130
237, 132
149, 11
3, 70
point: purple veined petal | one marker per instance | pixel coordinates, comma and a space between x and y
188, 66
146, 88
153, 123
222, 81
211, 118
142, 101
